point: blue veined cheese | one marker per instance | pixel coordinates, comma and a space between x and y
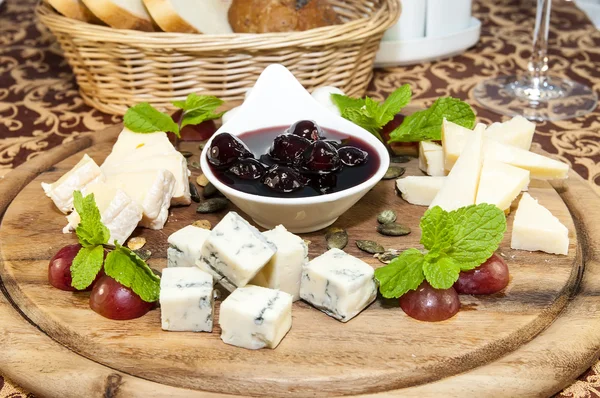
185, 246
284, 270
186, 300
255, 317
235, 251
85, 172
338, 284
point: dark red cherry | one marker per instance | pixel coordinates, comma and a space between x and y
284, 179
352, 156
225, 149
320, 157
324, 183
287, 147
248, 169
306, 129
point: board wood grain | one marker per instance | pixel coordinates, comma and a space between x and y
536, 335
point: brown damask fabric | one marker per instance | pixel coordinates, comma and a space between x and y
40, 107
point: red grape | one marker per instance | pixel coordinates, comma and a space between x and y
489, 278
59, 269
429, 304
114, 301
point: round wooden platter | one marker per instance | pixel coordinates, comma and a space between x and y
532, 339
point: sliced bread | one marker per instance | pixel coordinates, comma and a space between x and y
122, 14
74, 9
190, 16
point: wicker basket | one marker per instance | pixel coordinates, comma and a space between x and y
118, 68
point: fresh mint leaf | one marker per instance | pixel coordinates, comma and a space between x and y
144, 118
478, 230
198, 116
90, 231
402, 274
426, 125
394, 103
363, 119
441, 273
198, 108
436, 229
343, 102
86, 265
131, 271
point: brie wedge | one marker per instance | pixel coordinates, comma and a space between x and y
460, 187
535, 228
419, 190
431, 158
517, 132
61, 192
500, 183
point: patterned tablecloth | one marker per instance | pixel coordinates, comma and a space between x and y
40, 107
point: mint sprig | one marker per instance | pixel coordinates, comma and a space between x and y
426, 125
127, 268
86, 265
144, 118
90, 231
456, 241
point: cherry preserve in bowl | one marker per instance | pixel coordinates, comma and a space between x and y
297, 161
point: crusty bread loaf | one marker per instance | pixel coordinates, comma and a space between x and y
261, 16
73, 9
191, 16
121, 14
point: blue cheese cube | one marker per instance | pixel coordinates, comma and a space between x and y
235, 251
185, 246
255, 317
186, 300
338, 284
284, 270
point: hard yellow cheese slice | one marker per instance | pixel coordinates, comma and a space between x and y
431, 158
500, 183
419, 190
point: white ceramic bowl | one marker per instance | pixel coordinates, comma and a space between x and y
278, 99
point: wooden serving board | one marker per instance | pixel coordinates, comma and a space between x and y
532, 339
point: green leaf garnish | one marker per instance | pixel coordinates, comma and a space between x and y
459, 240
90, 231
426, 125
144, 118
198, 108
124, 266
86, 265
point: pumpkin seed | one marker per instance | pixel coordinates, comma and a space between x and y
393, 229
400, 159
136, 243
202, 180
387, 256
210, 190
201, 145
194, 193
369, 246
195, 165
204, 224
386, 216
393, 172
212, 205
337, 238
144, 254
186, 154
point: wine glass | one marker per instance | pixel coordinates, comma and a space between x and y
535, 94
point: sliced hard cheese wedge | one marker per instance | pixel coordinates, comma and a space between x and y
540, 167
454, 138
460, 187
500, 183
118, 212
61, 192
419, 190
431, 158
517, 132
535, 228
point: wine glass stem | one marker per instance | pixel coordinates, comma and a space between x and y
538, 64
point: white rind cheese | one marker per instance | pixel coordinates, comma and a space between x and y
284, 270
118, 212
255, 317
500, 183
517, 132
85, 172
185, 246
186, 300
338, 284
419, 190
460, 187
431, 158
535, 228
235, 251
